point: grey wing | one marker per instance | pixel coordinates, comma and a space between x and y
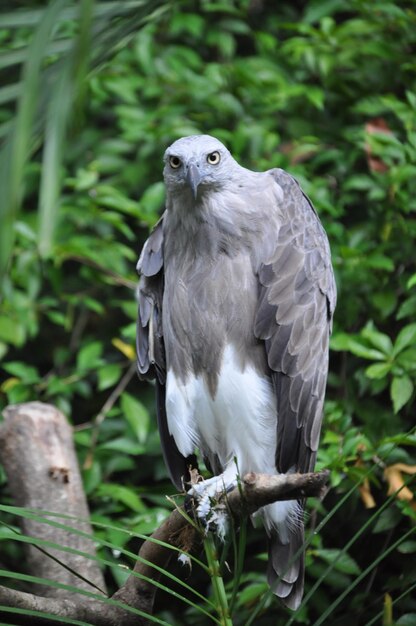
294, 317
150, 345
149, 339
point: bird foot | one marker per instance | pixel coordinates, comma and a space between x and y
206, 499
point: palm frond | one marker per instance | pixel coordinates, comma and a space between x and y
49, 97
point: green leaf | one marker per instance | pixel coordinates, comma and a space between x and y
251, 593
409, 619
89, 356
407, 547
377, 339
400, 391
378, 370
137, 416
341, 561
112, 198
407, 359
360, 347
411, 282
191, 23
92, 477
385, 301
315, 11
108, 375
380, 262
316, 96
405, 338
388, 519
362, 350
26, 373
123, 494
152, 200
85, 179
57, 318
340, 341
149, 521
123, 444
407, 308
11, 331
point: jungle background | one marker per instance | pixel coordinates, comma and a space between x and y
91, 95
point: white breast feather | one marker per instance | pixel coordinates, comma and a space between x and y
238, 423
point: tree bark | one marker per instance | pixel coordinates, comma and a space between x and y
37, 452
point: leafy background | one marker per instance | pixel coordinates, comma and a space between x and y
326, 89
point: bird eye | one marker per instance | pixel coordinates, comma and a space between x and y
214, 158
175, 162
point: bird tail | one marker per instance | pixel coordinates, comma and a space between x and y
286, 569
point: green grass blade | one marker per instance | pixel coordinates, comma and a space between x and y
40, 515
34, 101
259, 607
24, 18
82, 592
67, 102
57, 120
347, 546
10, 92
16, 152
220, 595
15, 57
359, 578
239, 561
379, 616
127, 553
326, 519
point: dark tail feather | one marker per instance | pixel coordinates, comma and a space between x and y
285, 572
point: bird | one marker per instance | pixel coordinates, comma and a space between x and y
236, 301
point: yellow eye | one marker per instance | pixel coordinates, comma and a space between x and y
175, 162
214, 158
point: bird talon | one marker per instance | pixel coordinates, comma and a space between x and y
190, 503
204, 501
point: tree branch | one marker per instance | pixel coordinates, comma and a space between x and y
36, 438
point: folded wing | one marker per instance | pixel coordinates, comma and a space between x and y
151, 362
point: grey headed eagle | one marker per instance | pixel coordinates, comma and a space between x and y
236, 299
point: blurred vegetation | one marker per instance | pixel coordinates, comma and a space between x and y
91, 95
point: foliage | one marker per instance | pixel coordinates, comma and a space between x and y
326, 90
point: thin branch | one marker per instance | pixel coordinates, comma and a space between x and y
261, 489
117, 278
107, 406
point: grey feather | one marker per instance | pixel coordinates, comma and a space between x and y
240, 258
285, 572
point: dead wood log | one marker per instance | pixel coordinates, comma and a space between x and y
37, 453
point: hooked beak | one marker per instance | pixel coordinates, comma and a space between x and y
193, 178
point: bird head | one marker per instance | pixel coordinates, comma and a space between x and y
196, 163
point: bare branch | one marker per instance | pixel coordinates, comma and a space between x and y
257, 490
37, 452
93, 612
